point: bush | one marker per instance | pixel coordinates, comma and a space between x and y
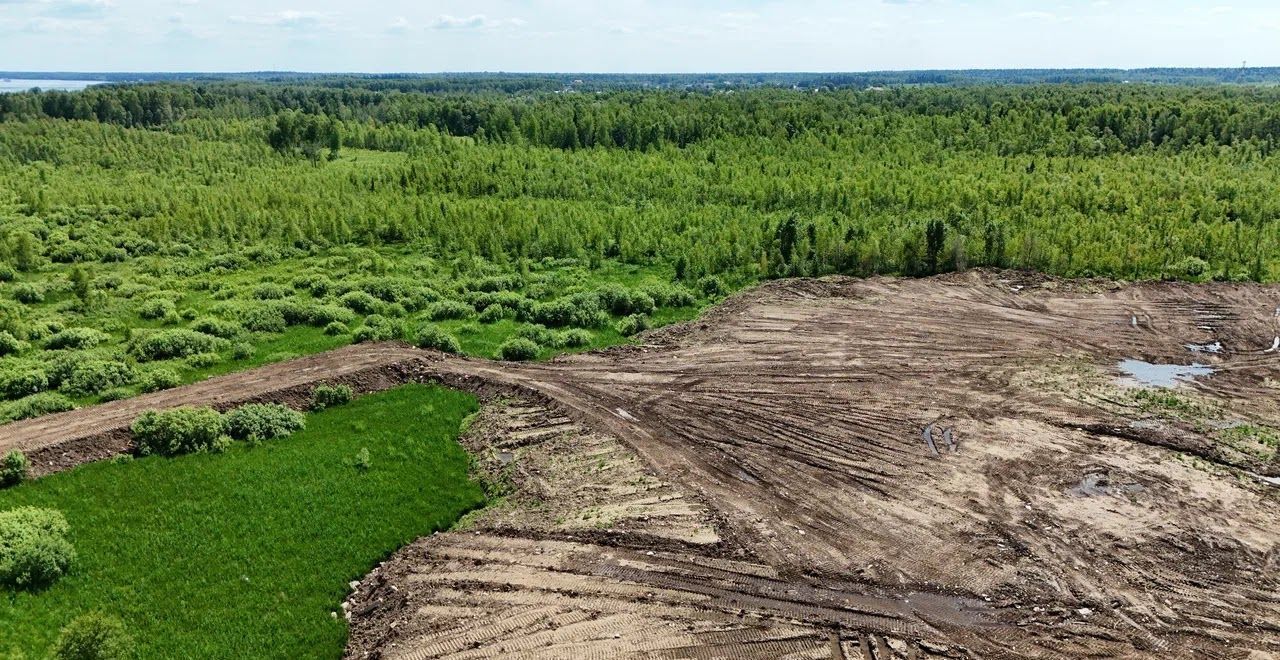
159, 379
77, 338
13, 469
44, 403
322, 315
377, 328
495, 313
1190, 268
712, 286
89, 377
665, 295
271, 291
431, 336
538, 334
334, 329
157, 308
328, 396
175, 343
633, 324
27, 294
449, 309
34, 550
178, 431
242, 351
316, 285
23, 381
203, 360
621, 301
263, 318
517, 349
361, 302
7, 273
9, 344
575, 338
262, 421
581, 310
94, 636
216, 327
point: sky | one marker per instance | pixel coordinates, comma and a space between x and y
631, 35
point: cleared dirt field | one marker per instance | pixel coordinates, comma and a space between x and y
844, 468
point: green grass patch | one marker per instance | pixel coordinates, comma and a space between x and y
246, 554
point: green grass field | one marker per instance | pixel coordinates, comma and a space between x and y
247, 553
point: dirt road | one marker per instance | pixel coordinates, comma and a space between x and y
882, 468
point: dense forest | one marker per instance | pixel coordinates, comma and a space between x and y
201, 226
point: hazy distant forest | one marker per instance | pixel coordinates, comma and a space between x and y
159, 232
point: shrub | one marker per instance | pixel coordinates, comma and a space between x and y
328, 396
666, 295
7, 273
336, 328
203, 360
495, 313
9, 344
271, 291
517, 349
712, 286
538, 334
44, 403
175, 343
362, 461
449, 309
13, 469
89, 377
159, 379
316, 285
361, 302
263, 318
575, 338
621, 301
262, 421
115, 394
633, 324
34, 550
216, 327
157, 308
432, 336
322, 315
242, 351
23, 381
27, 294
517, 303
1190, 268
178, 431
77, 338
377, 328
43, 329
94, 636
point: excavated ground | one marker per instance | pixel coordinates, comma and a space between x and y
843, 468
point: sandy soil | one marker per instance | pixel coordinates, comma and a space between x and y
841, 468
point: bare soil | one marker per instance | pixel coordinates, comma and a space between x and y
840, 468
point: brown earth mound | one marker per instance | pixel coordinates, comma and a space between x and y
841, 468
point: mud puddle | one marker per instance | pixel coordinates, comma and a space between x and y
1162, 375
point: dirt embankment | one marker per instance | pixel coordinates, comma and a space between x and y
842, 468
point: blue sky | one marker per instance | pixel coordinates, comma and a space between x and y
631, 35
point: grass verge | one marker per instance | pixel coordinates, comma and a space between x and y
248, 553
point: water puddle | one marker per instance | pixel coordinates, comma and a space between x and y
1163, 375
1095, 484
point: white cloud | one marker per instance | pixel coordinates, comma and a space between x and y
288, 19
472, 22
399, 24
